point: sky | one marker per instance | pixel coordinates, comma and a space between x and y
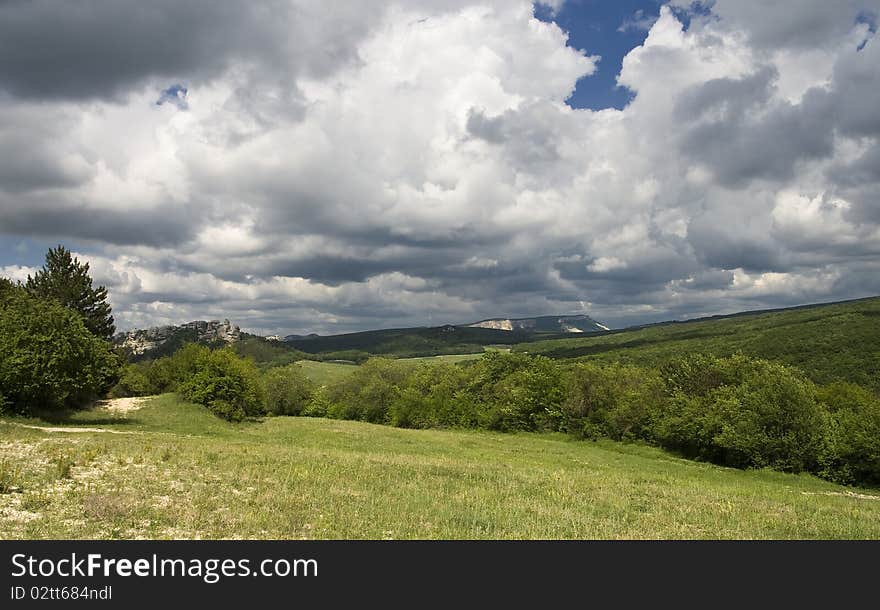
302, 166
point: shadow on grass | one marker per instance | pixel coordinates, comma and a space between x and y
81, 417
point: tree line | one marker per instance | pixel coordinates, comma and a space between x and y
734, 411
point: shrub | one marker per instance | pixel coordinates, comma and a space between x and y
288, 390
431, 397
367, 394
851, 453
185, 362
319, 405
132, 382
617, 401
48, 359
228, 385
481, 393
161, 375
741, 412
529, 397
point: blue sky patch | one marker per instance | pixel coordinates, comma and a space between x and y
176, 95
609, 29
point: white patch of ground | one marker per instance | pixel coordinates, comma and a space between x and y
122, 405
845, 494
63, 429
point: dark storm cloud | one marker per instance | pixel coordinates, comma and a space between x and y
332, 270
855, 94
744, 137
80, 49
26, 167
654, 270
717, 247
34, 154
165, 226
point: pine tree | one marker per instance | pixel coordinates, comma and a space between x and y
66, 280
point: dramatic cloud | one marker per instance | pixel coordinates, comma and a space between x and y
297, 166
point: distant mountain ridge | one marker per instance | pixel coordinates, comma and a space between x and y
547, 324
449, 338
417, 341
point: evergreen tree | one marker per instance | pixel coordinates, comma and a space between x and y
66, 280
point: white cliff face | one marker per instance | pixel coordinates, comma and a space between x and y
142, 341
495, 324
555, 324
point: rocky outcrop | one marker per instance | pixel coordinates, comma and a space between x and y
145, 341
547, 324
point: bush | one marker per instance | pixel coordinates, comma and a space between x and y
132, 382
482, 393
228, 385
319, 405
529, 397
288, 390
742, 413
617, 401
162, 376
166, 374
367, 394
48, 359
851, 453
431, 397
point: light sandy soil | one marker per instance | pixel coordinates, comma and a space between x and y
122, 405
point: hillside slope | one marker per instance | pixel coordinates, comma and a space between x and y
828, 342
427, 341
172, 470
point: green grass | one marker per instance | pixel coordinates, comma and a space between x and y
449, 358
325, 373
175, 471
828, 342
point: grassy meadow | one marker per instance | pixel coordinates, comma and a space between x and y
326, 373
172, 470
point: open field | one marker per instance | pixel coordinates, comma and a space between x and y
171, 470
324, 373
828, 342
449, 358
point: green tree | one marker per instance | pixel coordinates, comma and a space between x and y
48, 359
66, 280
288, 390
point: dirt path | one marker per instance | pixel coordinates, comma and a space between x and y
114, 405
65, 429
845, 494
